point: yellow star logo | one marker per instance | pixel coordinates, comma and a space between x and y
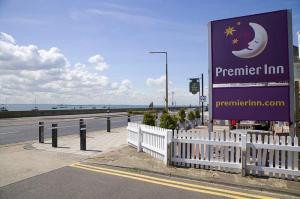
235, 41
229, 31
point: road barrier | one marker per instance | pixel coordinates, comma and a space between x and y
83, 137
54, 135
81, 122
108, 124
41, 132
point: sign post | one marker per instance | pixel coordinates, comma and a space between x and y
194, 85
250, 68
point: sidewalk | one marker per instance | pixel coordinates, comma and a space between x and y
97, 143
24, 160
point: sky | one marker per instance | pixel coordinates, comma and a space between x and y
96, 51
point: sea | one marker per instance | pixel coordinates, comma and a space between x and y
29, 107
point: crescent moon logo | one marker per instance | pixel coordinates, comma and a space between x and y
257, 45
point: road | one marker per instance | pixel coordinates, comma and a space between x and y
26, 129
92, 181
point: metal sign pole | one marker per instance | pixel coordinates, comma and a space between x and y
210, 111
292, 81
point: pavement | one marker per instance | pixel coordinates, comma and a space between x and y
21, 161
30, 160
98, 142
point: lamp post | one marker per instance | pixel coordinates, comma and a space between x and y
166, 74
173, 100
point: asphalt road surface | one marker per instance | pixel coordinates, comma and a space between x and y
26, 129
87, 181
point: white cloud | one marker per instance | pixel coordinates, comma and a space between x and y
98, 62
114, 85
15, 57
27, 71
7, 38
126, 85
158, 82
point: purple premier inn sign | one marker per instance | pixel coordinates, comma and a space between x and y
251, 49
254, 103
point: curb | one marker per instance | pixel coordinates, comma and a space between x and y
17, 143
255, 188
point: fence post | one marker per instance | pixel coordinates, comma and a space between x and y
168, 148
54, 135
41, 132
244, 152
139, 143
83, 137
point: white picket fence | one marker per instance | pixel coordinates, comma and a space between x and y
274, 156
133, 133
149, 139
216, 151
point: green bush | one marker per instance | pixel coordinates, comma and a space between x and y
181, 115
129, 112
197, 113
149, 118
191, 116
167, 121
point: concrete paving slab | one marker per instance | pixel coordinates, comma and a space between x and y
18, 162
24, 160
97, 143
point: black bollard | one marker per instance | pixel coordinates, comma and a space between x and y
128, 118
108, 120
54, 135
83, 137
108, 124
81, 122
41, 132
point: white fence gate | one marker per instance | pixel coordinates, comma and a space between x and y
274, 156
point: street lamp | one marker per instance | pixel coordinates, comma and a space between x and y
156, 52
